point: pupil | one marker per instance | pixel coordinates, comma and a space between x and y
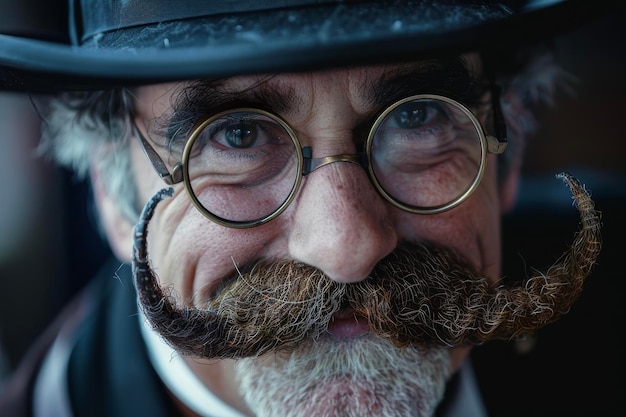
410, 116
240, 137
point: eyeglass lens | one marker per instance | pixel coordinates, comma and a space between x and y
242, 166
425, 153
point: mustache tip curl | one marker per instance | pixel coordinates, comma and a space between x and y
160, 308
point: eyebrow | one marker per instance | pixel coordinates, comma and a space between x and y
212, 96
206, 97
451, 77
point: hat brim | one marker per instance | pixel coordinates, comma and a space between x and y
41, 66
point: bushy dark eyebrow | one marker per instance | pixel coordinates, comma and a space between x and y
451, 77
207, 97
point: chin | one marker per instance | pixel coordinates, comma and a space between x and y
348, 377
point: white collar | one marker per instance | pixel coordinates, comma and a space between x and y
467, 401
180, 380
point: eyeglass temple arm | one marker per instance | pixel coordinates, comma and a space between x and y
174, 177
497, 144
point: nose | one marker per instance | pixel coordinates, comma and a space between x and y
341, 225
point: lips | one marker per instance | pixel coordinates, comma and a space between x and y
346, 323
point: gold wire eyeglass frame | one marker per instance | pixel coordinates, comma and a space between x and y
307, 164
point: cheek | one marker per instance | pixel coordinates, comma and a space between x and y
191, 255
472, 229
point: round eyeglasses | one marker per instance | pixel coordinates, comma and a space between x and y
424, 154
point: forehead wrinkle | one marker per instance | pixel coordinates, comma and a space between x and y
348, 86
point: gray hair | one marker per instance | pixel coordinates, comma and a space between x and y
92, 130
86, 131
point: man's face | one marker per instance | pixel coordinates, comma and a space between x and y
338, 223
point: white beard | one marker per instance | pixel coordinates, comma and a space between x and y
355, 377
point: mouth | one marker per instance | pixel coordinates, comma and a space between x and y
346, 323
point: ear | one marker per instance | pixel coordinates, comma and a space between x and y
117, 228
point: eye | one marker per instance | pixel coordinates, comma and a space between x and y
413, 115
242, 132
242, 165
239, 142
241, 135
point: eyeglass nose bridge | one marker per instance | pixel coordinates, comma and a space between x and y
310, 164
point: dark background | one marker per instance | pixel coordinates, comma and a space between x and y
570, 368
573, 367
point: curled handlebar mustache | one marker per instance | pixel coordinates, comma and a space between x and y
418, 294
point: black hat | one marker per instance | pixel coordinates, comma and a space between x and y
91, 44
